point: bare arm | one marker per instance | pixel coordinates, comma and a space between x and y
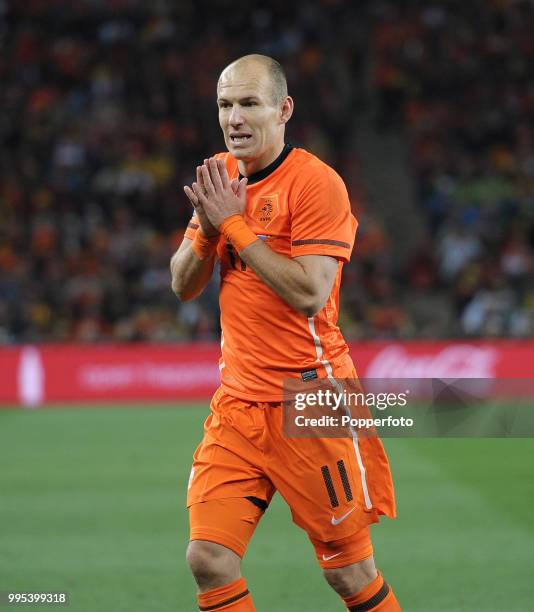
303, 282
189, 273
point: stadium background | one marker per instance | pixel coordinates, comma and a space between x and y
426, 110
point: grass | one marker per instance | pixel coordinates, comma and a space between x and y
92, 503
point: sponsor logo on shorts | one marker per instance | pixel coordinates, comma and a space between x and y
336, 521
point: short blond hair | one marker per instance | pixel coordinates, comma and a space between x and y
274, 70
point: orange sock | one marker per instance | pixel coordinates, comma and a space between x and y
376, 596
233, 596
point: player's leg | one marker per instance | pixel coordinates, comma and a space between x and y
220, 531
376, 596
212, 565
216, 562
227, 496
326, 483
349, 567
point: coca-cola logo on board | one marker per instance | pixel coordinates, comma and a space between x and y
458, 361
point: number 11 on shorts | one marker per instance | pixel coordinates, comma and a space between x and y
329, 484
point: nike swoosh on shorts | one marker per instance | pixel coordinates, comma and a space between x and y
328, 557
336, 521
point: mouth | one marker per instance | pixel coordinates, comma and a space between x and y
239, 138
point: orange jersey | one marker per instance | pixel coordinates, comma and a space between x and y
299, 206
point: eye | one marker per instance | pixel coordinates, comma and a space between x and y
250, 103
224, 105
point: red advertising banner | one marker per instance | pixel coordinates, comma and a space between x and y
33, 375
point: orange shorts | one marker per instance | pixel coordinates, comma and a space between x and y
335, 487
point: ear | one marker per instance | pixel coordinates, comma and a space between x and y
286, 109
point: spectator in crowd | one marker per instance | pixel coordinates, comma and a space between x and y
99, 134
458, 79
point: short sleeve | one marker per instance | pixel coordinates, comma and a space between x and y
321, 220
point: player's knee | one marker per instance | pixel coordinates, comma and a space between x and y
351, 578
211, 564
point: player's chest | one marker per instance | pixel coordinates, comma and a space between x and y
267, 212
268, 215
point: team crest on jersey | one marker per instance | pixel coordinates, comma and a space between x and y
266, 209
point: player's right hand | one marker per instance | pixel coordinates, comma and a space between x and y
207, 228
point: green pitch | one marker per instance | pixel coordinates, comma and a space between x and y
91, 502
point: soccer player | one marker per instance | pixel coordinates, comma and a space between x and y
279, 221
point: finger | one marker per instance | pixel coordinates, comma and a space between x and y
242, 187
223, 173
205, 162
215, 176
202, 199
234, 184
200, 180
191, 196
208, 185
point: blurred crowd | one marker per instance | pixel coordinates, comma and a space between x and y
108, 106
458, 78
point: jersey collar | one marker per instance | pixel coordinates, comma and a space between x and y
255, 177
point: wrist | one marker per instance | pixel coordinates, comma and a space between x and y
237, 232
204, 246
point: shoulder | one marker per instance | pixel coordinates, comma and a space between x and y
309, 168
311, 174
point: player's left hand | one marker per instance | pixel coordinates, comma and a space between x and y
219, 198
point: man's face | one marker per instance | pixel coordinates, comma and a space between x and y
248, 116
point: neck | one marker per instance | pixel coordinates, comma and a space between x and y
248, 167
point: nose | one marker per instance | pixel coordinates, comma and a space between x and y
236, 118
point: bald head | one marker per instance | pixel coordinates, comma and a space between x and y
260, 64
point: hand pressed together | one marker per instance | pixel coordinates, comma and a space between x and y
215, 195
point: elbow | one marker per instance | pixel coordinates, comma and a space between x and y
313, 310
180, 292
178, 285
310, 305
